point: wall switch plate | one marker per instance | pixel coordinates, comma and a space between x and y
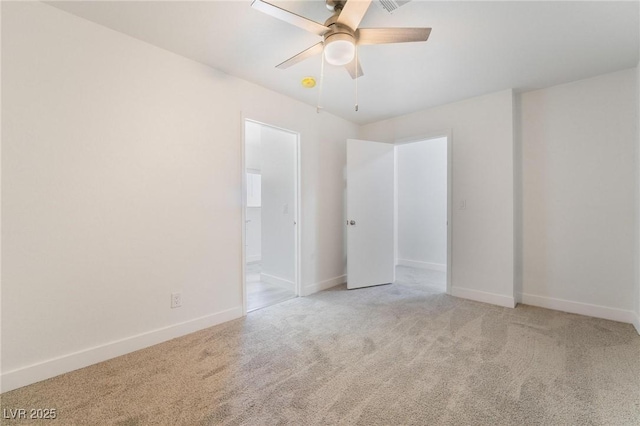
176, 300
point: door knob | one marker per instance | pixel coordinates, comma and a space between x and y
352, 222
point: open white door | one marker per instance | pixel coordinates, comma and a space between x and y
370, 210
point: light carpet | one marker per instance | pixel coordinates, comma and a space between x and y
398, 354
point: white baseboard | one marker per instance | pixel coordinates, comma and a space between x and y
279, 281
587, 309
255, 258
481, 296
323, 285
440, 267
636, 322
44, 370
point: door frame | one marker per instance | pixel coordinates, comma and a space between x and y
425, 137
296, 206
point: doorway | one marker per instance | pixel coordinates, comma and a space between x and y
422, 231
270, 214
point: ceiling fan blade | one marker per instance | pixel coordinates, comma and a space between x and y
290, 17
351, 67
391, 35
313, 50
353, 12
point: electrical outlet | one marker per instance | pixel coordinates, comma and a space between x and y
176, 300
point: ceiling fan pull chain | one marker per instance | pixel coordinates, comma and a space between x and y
319, 107
356, 74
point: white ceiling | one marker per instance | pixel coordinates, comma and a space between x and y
475, 47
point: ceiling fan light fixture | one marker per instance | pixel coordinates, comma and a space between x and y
339, 49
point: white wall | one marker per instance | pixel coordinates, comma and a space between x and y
278, 150
253, 151
121, 183
579, 160
483, 233
422, 203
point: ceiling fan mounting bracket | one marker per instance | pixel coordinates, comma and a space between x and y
335, 5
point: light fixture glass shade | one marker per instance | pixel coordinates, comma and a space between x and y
339, 49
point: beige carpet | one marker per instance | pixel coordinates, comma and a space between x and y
388, 355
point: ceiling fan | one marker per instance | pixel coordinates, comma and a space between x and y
340, 33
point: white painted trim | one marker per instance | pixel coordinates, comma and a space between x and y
243, 213
396, 209
440, 267
279, 281
449, 135
63, 364
636, 322
587, 309
481, 296
298, 218
255, 258
323, 285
